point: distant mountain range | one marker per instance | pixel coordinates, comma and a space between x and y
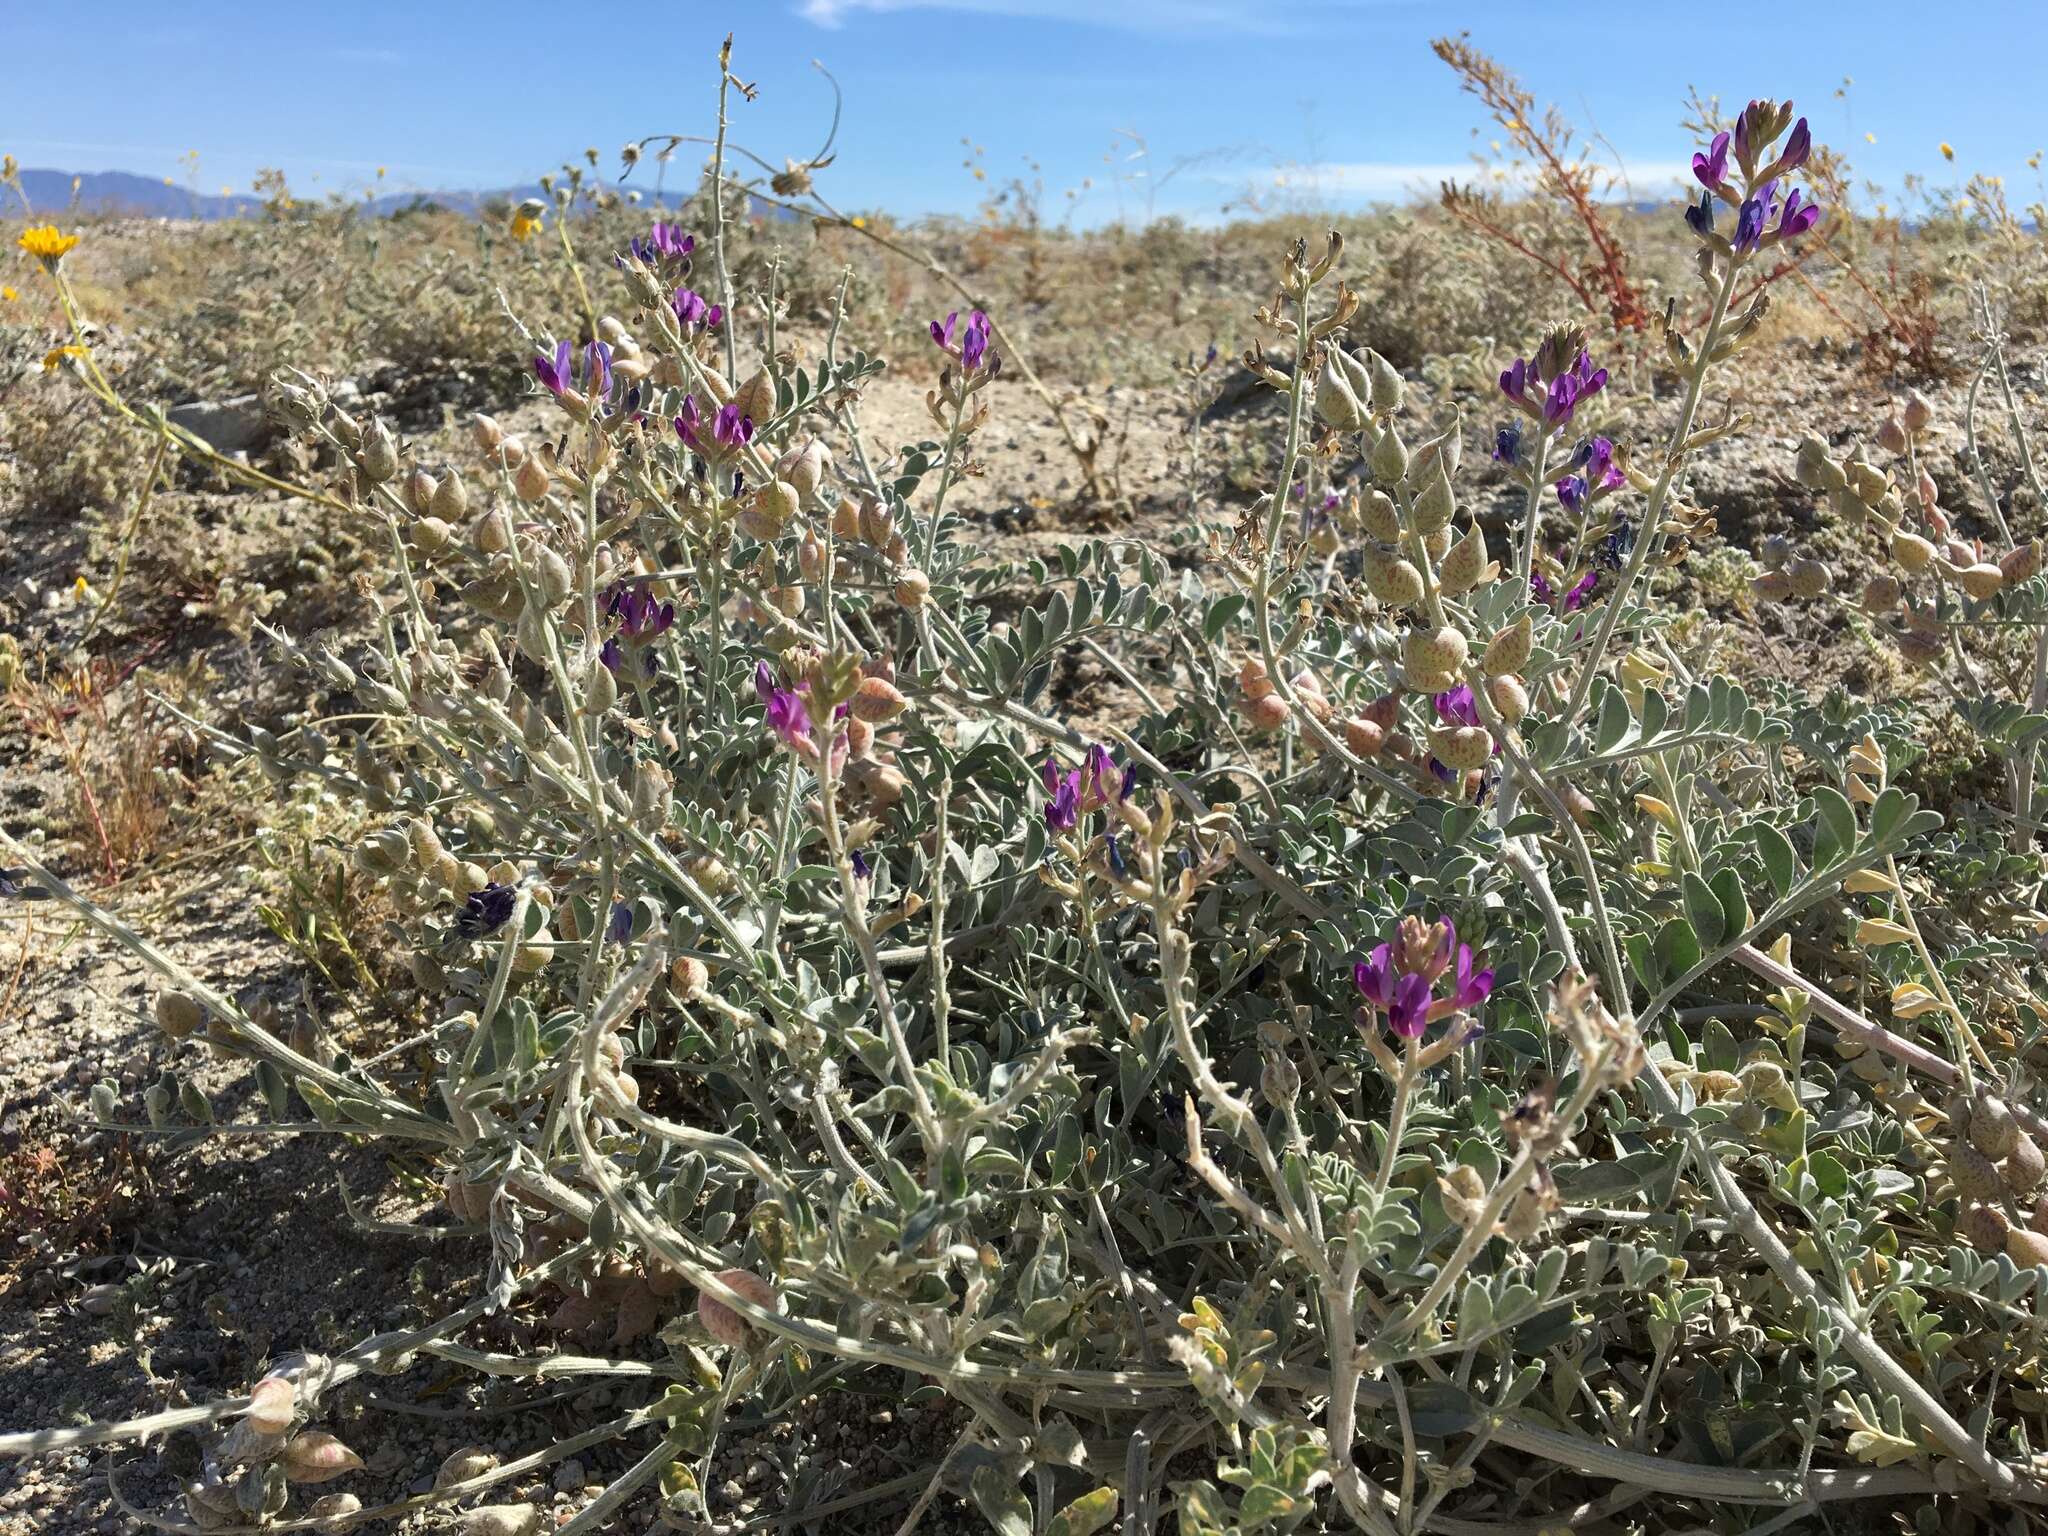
124, 192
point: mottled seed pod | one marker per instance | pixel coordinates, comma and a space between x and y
314, 1456
1387, 384
503, 1520
1881, 593
1983, 1227
1918, 413
912, 587
272, 1401
2019, 563
1434, 504
1993, 1130
1891, 436
721, 1321
2026, 1247
1981, 581
178, 1014
1810, 578
486, 431
1461, 747
471, 1462
1388, 459
878, 701
334, 1513
756, 398
1464, 566
1365, 738
1912, 552
688, 977
1509, 698
2024, 1165
379, 457
1508, 650
1771, 587
1394, 581
1267, 712
1432, 652
1379, 517
530, 481
1973, 1174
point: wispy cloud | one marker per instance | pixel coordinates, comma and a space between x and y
1231, 16
1374, 180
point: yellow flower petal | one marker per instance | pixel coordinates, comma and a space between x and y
45, 242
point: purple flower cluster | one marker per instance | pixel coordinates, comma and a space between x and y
665, 244
1763, 217
1399, 978
485, 911
787, 716
694, 314
1096, 783
973, 349
1552, 401
729, 429
1507, 446
559, 374
639, 615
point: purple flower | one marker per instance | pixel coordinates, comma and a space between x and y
1797, 147
942, 335
620, 928
665, 242
1457, 706
1742, 154
1595, 457
974, 343
787, 717
1408, 1013
689, 421
731, 428
1441, 769
1700, 215
1112, 848
694, 313
1470, 988
1581, 592
1374, 976
485, 911
556, 373
611, 654
1795, 220
638, 614
1754, 214
1712, 167
1514, 382
1540, 589
862, 870
1572, 491
1507, 445
1063, 810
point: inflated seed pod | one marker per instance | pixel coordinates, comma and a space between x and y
1268, 712
1810, 578
721, 1321
2026, 1247
1508, 650
1465, 566
1912, 552
1364, 737
1983, 1227
178, 1014
1771, 587
334, 1513
1973, 1174
1462, 747
2019, 563
1993, 1130
2024, 1165
1509, 698
1881, 593
1380, 518
1434, 653
1393, 580
1982, 580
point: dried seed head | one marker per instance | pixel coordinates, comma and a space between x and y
721, 1321
1508, 650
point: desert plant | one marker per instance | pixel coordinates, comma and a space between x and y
1354, 1075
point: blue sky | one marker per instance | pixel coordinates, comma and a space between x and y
1341, 96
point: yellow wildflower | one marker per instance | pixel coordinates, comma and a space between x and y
1948, 151
859, 222
54, 358
8, 294
46, 242
525, 225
